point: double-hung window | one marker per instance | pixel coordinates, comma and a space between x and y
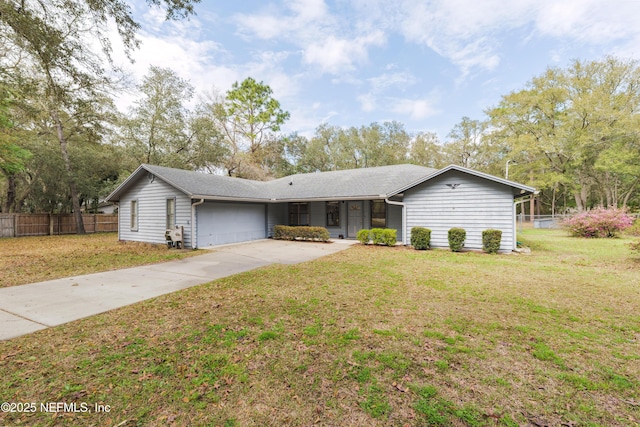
134, 215
378, 214
171, 213
298, 213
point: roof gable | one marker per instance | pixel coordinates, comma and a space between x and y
519, 189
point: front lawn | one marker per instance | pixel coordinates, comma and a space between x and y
368, 336
34, 259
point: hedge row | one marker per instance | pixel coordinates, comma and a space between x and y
421, 239
378, 236
285, 232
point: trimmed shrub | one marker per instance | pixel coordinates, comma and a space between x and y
285, 232
598, 223
457, 237
364, 236
376, 235
390, 237
491, 240
384, 236
420, 238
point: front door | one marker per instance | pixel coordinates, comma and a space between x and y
354, 218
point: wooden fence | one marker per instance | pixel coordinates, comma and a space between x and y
18, 225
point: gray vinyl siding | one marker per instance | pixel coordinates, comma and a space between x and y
317, 211
475, 204
366, 214
152, 212
394, 219
277, 214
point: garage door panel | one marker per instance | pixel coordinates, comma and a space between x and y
221, 223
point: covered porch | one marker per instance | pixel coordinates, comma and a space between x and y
342, 218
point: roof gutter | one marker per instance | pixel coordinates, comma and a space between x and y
404, 218
292, 200
327, 199
230, 199
194, 231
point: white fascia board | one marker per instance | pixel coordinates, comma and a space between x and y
328, 199
125, 183
230, 199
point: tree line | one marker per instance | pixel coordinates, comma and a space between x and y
570, 132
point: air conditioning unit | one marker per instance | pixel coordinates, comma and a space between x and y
174, 237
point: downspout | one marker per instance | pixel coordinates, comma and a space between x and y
404, 218
194, 233
118, 205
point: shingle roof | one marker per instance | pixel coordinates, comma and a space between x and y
351, 183
365, 183
205, 184
196, 184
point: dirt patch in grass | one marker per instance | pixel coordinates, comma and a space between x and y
368, 336
34, 259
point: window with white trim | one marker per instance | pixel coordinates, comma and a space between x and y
171, 213
134, 215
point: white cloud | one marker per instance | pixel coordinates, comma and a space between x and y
401, 80
408, 107
592, 22
309, 10
205, 63
386, 82
292, 44
367, 102
329, 44
335, 55
416, 109
470, 32
589, 20
305, 121
464, 31
306, 18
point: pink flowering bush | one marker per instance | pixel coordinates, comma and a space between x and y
599, 222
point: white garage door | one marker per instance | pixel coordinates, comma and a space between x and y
220, 223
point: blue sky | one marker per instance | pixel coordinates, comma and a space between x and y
350, 63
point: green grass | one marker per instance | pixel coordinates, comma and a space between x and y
369, 336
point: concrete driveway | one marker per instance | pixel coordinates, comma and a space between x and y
29, 308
